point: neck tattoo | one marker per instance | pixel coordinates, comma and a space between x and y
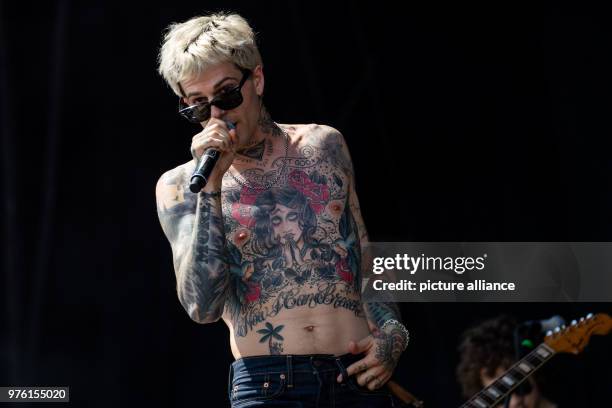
260, 153
266, 124
254, 152
265, 182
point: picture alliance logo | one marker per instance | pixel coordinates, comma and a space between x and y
412, 264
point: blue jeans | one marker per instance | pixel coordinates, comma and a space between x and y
305, 381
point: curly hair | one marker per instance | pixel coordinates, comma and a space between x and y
489, 346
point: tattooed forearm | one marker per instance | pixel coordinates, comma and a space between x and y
203, 275
391, 342
390, 346
194, 227
378, 313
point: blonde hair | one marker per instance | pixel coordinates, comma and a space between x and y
190, 47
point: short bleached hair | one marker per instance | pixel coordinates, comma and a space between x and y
190, 47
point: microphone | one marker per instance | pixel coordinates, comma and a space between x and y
205, 166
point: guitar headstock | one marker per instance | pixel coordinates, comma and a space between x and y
573, 339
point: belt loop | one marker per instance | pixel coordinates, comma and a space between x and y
289, 371
229, 382
342, 369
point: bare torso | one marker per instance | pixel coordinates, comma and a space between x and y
293, 249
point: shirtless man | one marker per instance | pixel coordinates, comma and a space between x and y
273, 243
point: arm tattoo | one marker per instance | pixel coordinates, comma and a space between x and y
203, 275
391, 341
376, 313
379, 312
193, 225
389, 347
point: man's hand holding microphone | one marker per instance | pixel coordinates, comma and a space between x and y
213, 150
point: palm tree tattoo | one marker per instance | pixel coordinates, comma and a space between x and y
271, 333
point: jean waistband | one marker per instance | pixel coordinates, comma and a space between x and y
290, 363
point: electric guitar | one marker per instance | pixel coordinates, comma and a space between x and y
572, 339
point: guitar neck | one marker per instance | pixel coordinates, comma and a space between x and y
495, 393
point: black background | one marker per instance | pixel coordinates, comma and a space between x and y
483, 122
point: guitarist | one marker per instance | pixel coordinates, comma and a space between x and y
486, 352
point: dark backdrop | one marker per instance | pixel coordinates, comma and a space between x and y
465, 123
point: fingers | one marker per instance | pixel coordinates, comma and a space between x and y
378, 382
368, 374
356, 348
216, 136
371, 378
359, 366
286, 254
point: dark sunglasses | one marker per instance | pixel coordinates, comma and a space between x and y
231, 99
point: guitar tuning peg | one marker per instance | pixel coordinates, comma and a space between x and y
574, 322
581, 319
589, 316
549, 333
557, 329
562, 327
